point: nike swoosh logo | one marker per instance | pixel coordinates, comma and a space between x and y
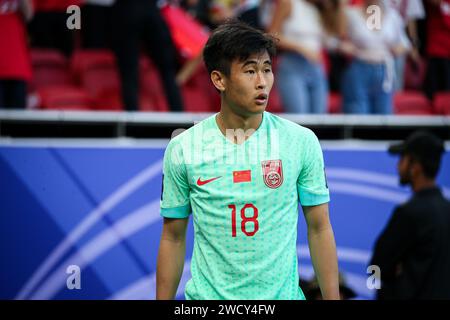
201, 183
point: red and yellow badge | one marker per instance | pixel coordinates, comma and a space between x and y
242, 176
272, 173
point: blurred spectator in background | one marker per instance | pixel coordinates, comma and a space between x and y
304, 27
15, 63
137, 22
244, 10
48, 29
97, 24
199, 9
248, 12
438, 47
367, 84
413, 251
193, 7
409, 11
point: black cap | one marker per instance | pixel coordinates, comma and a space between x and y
421, 144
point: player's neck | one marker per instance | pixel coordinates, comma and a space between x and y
422, 183
227, 119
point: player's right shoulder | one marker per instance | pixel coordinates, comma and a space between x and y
183, 136
184, 142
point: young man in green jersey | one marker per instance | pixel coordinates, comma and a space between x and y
242, 173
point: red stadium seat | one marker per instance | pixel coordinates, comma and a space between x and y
204, 81
275, 105
441, 103
412, 103
109, 100
334, 103
96, 72
195, 99
148, 103
199, 94
64, 98
86, 59
50, 67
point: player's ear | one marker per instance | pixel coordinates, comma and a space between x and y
218, 80
416, 168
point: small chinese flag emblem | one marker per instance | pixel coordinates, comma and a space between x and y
242, 176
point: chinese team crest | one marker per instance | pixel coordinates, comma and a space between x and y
272, 173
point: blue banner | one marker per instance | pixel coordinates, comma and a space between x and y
95, 209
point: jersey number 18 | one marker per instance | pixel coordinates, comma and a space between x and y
244, 219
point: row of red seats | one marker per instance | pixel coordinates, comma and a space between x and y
90, 81
415, 103
410, 102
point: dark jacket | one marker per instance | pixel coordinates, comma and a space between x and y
413, 251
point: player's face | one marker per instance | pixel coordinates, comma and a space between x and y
248, 86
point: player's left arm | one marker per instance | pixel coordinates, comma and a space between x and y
314, 197
322, 247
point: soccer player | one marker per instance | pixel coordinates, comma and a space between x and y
242, 174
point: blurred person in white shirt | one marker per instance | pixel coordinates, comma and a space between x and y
410, 11
305, 28
368, 83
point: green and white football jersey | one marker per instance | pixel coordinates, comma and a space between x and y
244, 201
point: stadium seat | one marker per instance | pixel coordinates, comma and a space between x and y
96, 71
108, 100
412, 103
204, 79
64, 98
274, 105
441, 103
50, 67
152, 96
199, 94
195, 99
86, 59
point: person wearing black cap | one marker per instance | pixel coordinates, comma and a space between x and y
413, 251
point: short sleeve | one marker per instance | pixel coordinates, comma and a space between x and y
415, 10
175, 200
312, 185
401, 36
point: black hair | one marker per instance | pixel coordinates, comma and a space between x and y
235, 40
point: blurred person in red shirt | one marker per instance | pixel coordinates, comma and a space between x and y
48, 29
438, 47
15, 63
